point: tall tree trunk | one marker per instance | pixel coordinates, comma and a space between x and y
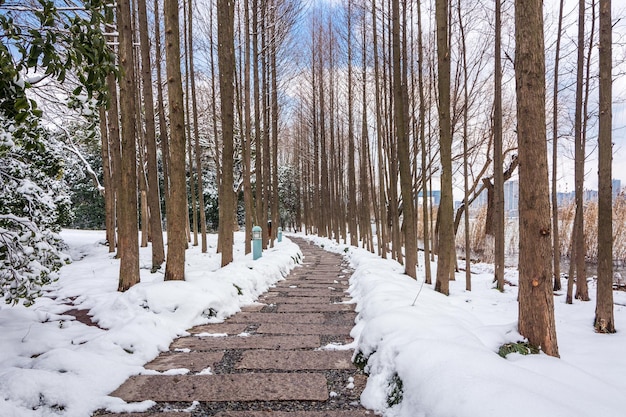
163, 135
193, 222
578, 249
352, 192
128, 226
226, 62
107, 174
445, 264
604, 321
196, 136
400, 117
113, 118
154, 200
381, 230
536, 303
247, 136
364, 165
498, 175
177, 216
274, 210
468, 272
556, 244
422, 123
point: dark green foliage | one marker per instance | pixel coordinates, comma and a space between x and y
239, 289
42, 43
360, 360
523, 348
395, 391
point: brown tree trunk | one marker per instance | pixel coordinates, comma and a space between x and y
107, 174
196, 136
446, 250
177, 215
113, 118
247, 136
154, 200
128, 226
604, 321
536, 303
578, 257
226, 62
400, 117
556, 244
498, 175
352, 192
422, 123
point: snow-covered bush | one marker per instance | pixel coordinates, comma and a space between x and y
33, 206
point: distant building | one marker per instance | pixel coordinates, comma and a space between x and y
511, 198
435, 196
590, 195
617, 187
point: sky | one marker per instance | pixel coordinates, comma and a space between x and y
565, 168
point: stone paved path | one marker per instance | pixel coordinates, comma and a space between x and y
266, 360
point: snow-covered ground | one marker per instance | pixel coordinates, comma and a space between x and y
53, 365
443, 349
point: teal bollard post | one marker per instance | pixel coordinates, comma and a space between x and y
257, 242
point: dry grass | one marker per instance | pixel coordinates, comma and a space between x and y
482, 246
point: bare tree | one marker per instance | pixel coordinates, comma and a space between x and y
446, 250
536, 303
604, 321
154, 200
226, 62
127, 213
177, 208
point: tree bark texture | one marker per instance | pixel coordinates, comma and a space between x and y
127, 215
177, 214
536, 303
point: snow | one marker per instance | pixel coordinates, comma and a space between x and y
53, 365
443, 349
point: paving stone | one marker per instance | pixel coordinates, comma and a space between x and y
360, 412
253, 307
194, 361
295, 360
341, 317
312, 318
299, 300
216, 388
303, 329
308, 292
219, 328
305, 308
313, 285
250, 342
155, 414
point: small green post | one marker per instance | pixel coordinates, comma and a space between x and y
280, 234
257, 242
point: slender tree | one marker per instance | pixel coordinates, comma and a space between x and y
127, 215
177, 215
401, 117
498, 174
536, 303
604, 321
556, 245
226, 63
154, 200
445, 261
